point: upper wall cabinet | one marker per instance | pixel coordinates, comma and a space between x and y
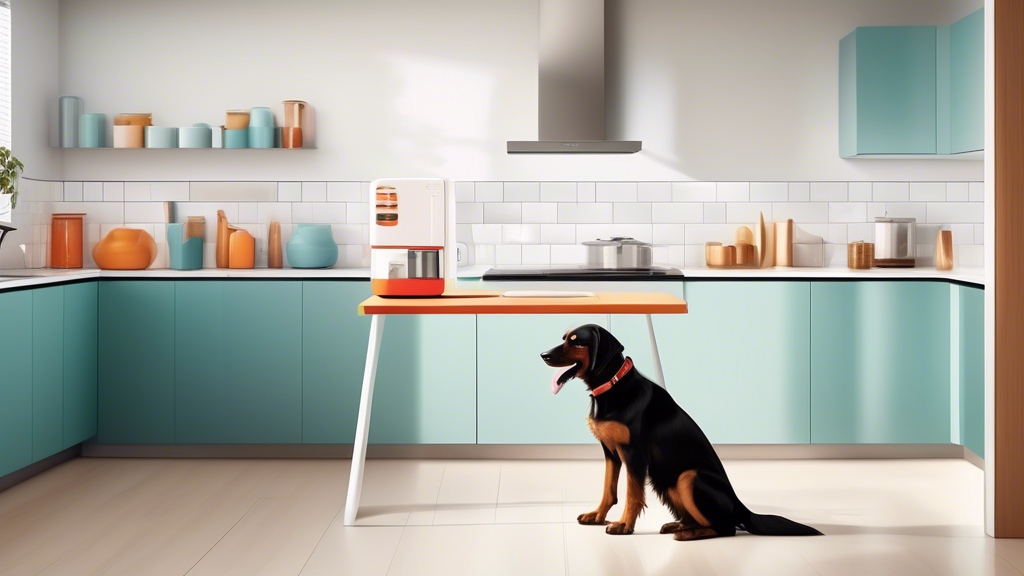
912, 89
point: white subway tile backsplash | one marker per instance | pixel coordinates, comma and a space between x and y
143, 212
520, 233
808, 255
976, 191
487, 233
329, 213
847, 211
248, 212
541, 212
302, 213
693, 192
267, 212
714, 212
875, 210
557, 191
769, 191
314, 191
979, 233
733, 192
358, 212
616, 191
860, 232
169, 191
522, 192
632, 213
508, 254
489, 192
469, 212
113, 191
464, 191
702, 233
557, 234
834, 255
207, 210
289, 192
956, 212
860, 191
345, 192
654, 191
92, 191
809, 233
969, 255
111, 213
351, 233
536, 254
234, 191
503, 213
829, 192
678, 212
585, 213
800, 211
799, 191
963, 233
72, 191
927, 191
890, 191
837, 233
137, 191
569, 254
588, 232
747, 212
586, 192
957, 192
907, 210
670, 234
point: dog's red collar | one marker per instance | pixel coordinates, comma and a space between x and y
626, 367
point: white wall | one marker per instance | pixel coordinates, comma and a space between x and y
738, 90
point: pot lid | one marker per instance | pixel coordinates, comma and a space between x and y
886, 220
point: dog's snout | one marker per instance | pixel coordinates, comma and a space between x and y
545, 356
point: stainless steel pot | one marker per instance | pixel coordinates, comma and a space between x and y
895, 242
619, 254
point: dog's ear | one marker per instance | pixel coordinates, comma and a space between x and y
606, 347
595, 346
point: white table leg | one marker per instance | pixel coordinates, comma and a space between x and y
659, 375
355, 478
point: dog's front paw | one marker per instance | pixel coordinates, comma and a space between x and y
618, 528
591, 518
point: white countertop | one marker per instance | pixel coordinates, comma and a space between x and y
33, 277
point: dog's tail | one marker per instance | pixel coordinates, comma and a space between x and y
771, 525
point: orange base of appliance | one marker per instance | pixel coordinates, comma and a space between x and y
408, 286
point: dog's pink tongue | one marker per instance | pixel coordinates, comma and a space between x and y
555, 385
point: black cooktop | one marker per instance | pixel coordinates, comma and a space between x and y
582, 273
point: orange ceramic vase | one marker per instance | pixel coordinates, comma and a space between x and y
66, 240
125, 249
242, 250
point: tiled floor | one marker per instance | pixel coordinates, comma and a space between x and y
125, 516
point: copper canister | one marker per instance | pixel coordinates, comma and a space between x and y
66, 240
860, 255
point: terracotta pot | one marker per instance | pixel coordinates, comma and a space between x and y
125, 249
66, 240
291, 137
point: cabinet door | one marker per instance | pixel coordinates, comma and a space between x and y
972, 369
514, 399
739, 361
967, 83
334, 339
47, 371
887, 91
880, 362
238, 362
136, 362
16, 381
80, 362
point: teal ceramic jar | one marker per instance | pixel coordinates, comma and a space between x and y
261, 136
312, 246
183, 255
92, 130
236, 138
195, 136
161, 136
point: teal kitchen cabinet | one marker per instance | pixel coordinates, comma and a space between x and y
967, 83
880, 362
47, 371
81, 303
16, 381
237, 362
738, 362
334, 342
136, 362
514, 403
972, 369
888, 90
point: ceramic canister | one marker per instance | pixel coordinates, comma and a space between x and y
261, 136
92, 130
66, 240
69, 111
312, 246
183, 254
236, 138
161, 137
195, 136
129, 136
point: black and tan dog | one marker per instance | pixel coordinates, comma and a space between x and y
639, 424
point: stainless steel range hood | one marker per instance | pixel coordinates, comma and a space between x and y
571, 79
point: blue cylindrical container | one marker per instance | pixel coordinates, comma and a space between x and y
183, 255
236, 138
92, 130
69, 110
261, 136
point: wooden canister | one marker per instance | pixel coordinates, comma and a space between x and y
274, 259
66, 240
746, 254
860, 255
944, 250
718, 256
223, 233
784, 243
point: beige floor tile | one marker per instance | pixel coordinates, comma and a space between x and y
1009, 549
396, 490
529, 493
362, 550
589, 551
494, 549
469, 493
740, 555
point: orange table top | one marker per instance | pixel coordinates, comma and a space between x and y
489, 302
